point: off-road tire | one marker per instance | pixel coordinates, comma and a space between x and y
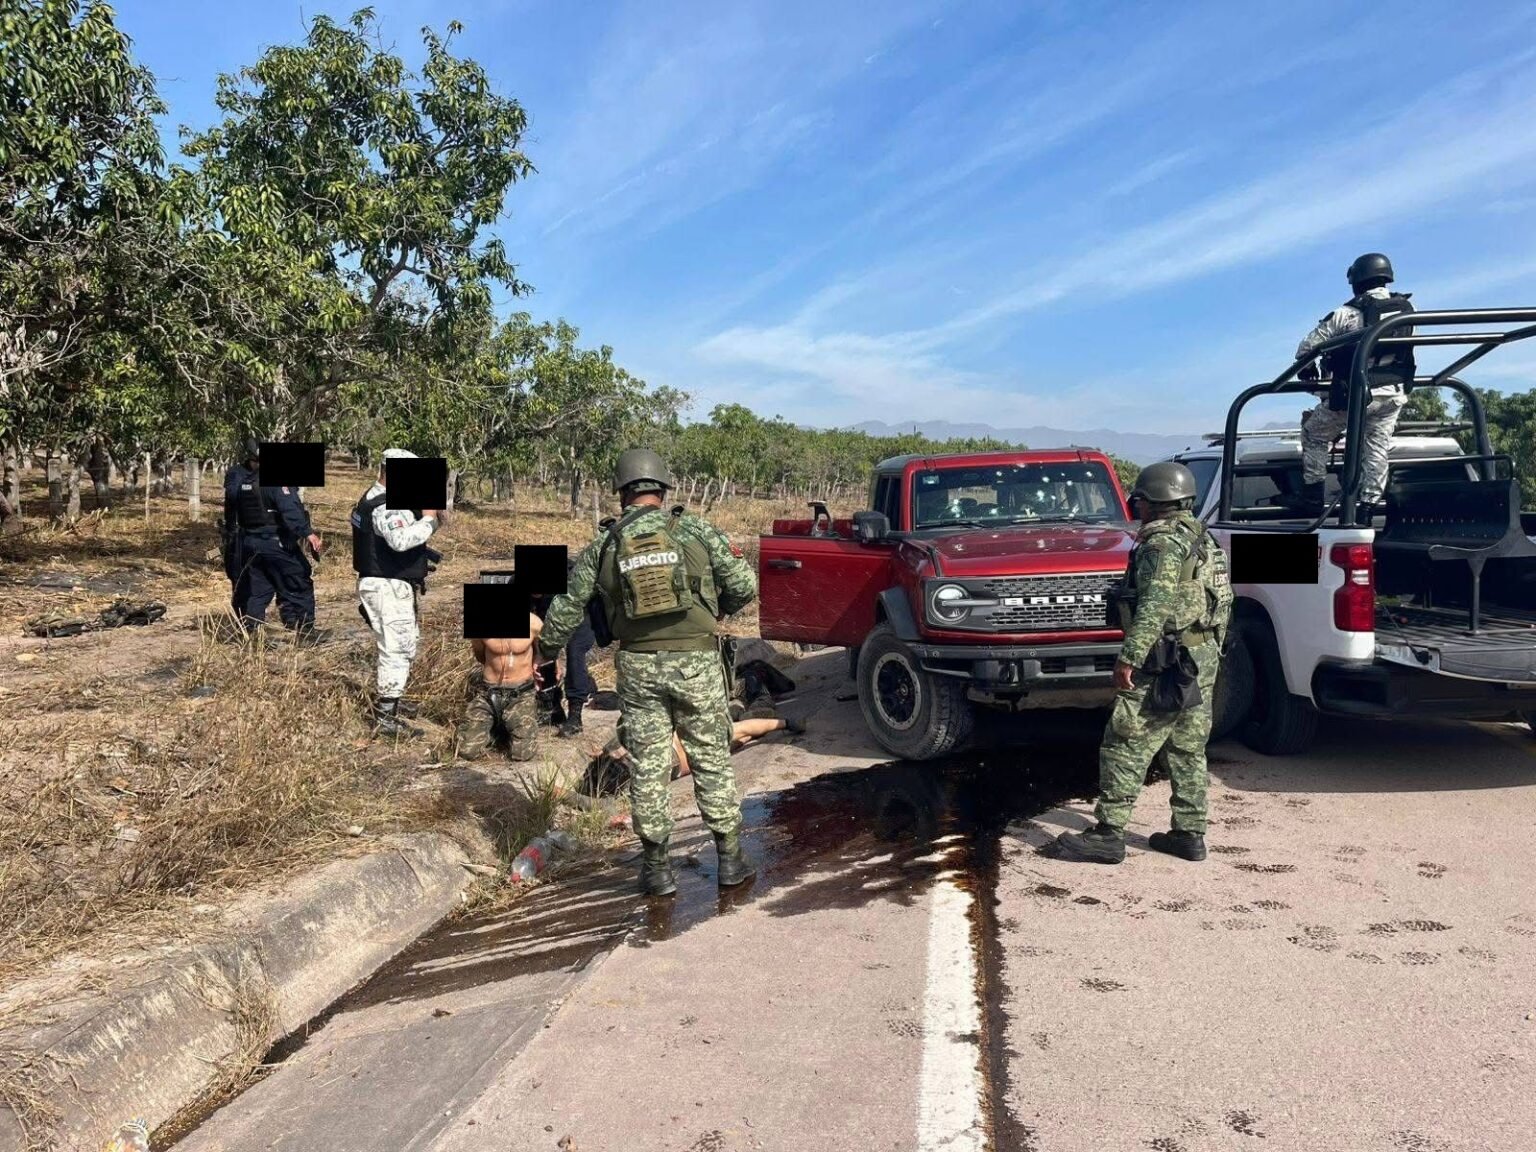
939, 718
1233, 698
1278, 724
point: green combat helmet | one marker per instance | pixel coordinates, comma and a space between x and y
641, 470
1167, 482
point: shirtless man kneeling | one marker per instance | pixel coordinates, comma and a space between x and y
502, 697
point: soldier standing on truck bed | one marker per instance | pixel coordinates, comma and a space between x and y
665, 578
1390, 374
1177, 586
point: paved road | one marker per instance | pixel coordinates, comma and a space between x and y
1350, 970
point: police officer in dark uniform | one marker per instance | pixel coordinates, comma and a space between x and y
271, 526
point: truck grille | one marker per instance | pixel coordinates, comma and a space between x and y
1088, 609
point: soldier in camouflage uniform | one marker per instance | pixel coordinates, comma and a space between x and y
1179, 585
665, 578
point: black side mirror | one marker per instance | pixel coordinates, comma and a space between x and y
872, 527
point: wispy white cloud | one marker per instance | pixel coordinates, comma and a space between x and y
668, 123
1152, 171
1434, 150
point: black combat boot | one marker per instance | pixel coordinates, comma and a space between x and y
572, 725
656, 877
387, 721
735, 868
1313, 500
1100, 845
1185, 845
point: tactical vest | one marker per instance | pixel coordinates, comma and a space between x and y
1390, 365
372, 556
251, 509
657, 584
1205, 602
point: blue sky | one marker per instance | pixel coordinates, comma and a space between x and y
1071, 213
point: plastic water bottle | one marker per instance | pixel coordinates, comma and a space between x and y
532, 859
131, 1137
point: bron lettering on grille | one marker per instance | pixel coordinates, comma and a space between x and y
1048, 603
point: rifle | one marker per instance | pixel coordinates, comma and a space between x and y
229, 547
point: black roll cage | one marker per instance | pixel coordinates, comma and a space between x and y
1520, 324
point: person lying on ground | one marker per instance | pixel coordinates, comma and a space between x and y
743, 732
612, 767
502, 703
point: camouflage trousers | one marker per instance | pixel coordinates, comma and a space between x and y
1133, 737
499, 710
1323, 426
683, 692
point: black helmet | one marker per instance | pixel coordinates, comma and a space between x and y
1168, 482
642, 470
252, 448
1373, 266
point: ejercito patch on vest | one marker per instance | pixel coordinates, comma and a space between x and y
647, 560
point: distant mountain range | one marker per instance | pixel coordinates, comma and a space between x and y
1137, 447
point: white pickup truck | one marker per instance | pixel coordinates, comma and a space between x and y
1430, 609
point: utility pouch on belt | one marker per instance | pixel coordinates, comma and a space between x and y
1122, 606
1175, 677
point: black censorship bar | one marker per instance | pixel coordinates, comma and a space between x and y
291, 465
1275, 558
415, 485
495, 611
497, 608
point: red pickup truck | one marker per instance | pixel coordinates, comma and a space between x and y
980, 578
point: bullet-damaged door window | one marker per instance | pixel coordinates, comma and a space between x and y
1078, 492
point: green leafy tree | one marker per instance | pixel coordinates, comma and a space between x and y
363, 194
1512, 429
1426, 404
81, 214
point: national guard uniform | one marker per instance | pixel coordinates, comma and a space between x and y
1390, 373
269, 526
391, 559
1178, 582
665, 578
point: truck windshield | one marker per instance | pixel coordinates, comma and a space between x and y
1014, 494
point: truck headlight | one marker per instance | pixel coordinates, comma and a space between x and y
944, 602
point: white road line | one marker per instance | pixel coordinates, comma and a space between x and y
949, 1108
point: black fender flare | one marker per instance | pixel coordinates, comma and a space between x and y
896, 610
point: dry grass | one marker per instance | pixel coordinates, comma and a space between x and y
23, 1092
261, 777
122, 806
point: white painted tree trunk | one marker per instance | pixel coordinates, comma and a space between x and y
194, 474
55, 477
72, 507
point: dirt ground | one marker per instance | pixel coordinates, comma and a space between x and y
148, 769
